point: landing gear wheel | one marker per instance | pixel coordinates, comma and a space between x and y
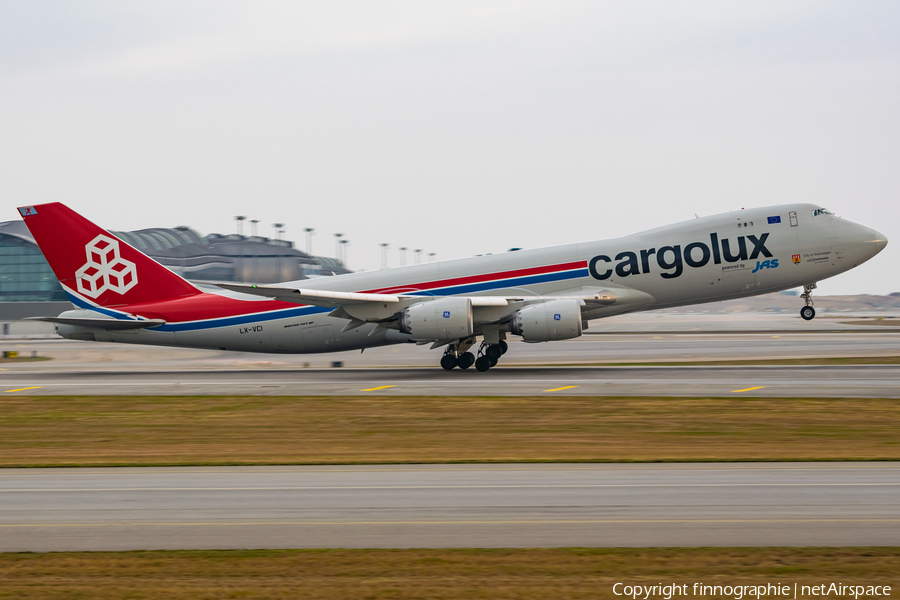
466, 360
494, 351
483, 363
808, 312
503, 347
449, 362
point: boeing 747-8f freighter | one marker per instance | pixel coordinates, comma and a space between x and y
542, 295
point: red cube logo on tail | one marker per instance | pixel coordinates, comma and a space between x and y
105, 269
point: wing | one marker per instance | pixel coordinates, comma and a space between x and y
358, 308
331, 299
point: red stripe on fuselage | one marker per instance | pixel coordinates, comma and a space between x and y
479, 278
205, 305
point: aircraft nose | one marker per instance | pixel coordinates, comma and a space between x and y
864, 240
879, 240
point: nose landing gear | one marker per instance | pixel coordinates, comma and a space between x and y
807, 313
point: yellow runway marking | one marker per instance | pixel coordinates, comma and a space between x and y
565, 387
384, 387
37, 387
502, 522
759, 387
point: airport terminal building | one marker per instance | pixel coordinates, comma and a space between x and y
28, 286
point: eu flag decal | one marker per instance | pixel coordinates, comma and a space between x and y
774, 220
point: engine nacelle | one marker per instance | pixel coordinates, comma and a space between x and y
441, 319
554, 320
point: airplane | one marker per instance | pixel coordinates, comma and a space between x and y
540, 295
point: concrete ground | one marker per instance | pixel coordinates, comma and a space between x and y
749, 504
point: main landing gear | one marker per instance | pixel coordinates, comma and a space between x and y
450, 360
488, 355
808, 312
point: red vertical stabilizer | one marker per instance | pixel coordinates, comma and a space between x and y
96, 266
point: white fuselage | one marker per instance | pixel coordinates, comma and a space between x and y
732, 255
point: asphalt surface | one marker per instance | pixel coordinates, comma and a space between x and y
631, 338
568, 367
876, 381
821, 504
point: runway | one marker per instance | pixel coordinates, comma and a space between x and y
872, 381
631, 338
568, 367
750, 504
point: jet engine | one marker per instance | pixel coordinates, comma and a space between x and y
553, 320
441, 319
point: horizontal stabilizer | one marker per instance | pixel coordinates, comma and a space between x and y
108, 324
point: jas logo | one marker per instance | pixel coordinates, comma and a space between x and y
766, 264
673, 258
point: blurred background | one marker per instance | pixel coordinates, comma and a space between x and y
447, 130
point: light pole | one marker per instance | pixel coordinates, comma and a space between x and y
384, 248
253, 223
417, 253
344, 252
431, 256
309, 233
337, 245
240, 224
402, 256
279, 229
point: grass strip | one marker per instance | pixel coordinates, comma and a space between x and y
247, 430
521, 574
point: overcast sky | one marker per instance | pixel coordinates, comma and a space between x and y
456, 127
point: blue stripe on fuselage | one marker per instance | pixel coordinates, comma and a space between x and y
312, 310
103, 311
285, 313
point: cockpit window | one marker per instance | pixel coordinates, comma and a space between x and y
820, 211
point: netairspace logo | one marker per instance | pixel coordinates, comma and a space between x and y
779, 590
